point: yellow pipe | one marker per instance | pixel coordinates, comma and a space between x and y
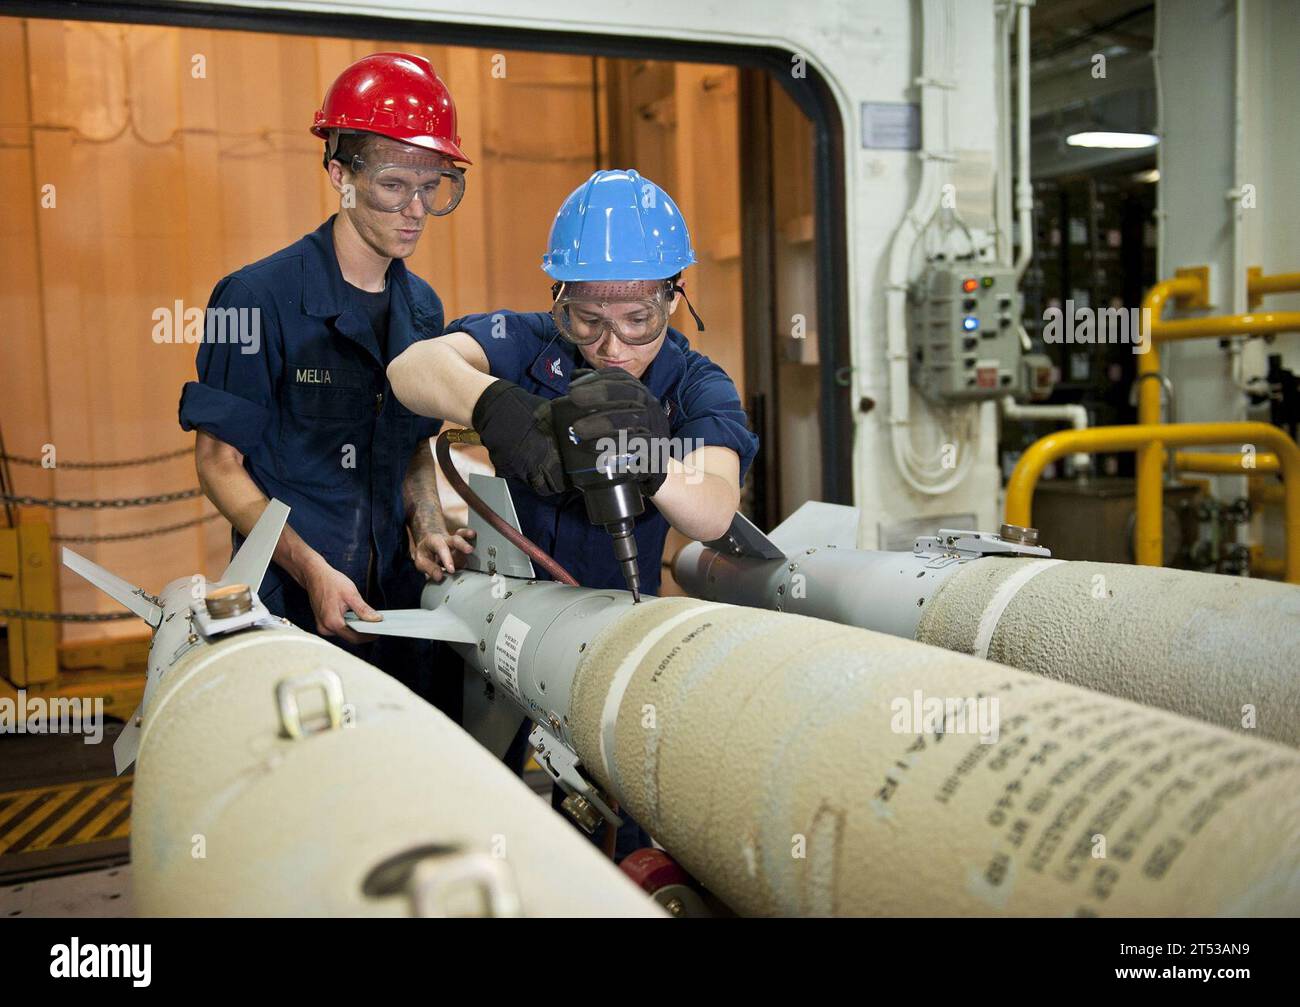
1150, 437
1149, 468
1258, 323
1149, 362
1257, 284
1190, 285
1226, 464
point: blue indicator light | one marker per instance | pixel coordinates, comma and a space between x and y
970, 323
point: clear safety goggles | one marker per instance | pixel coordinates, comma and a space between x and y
621, 308
391, 185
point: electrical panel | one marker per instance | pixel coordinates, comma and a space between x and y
966, 333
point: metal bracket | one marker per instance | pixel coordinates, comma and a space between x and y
744, 539
436, 878
1200, 299
966, 545
209, 628
561, 763
191, 641
286, 698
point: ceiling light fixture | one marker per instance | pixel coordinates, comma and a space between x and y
1113, 141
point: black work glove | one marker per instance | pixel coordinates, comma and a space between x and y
613, 403
515, 427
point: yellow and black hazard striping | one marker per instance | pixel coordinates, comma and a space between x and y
69, 814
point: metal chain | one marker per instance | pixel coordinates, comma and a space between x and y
118, 502
126, 536
123, 464
22, 613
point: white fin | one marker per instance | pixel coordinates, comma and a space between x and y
134, 598
817, 524
127, 744
248, 565
493, 552
416, 624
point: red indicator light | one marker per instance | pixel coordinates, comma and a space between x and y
969, 285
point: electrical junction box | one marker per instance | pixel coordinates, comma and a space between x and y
1039, 376
965, 342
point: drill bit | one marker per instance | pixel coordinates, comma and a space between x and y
625, 552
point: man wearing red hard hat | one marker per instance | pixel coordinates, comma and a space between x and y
305, 413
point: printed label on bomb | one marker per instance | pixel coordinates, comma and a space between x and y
510, 641
1083, 790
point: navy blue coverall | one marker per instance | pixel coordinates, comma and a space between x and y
319, 428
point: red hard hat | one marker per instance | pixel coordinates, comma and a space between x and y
397, 95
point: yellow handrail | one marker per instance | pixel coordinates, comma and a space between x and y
1149, 438
1190, 286
1257, 285
1149, 467
1258, 323
1226, 464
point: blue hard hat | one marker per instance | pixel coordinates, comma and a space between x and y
618, 226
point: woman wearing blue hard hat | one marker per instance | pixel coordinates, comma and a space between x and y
618, 247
